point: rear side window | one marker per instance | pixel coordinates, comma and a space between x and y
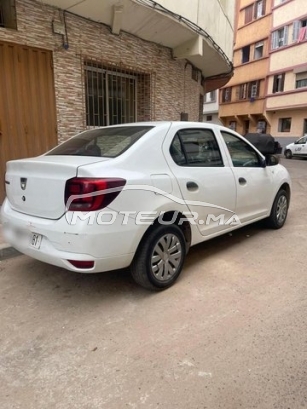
102, 142
196, 147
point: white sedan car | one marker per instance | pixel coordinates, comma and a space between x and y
139, 195
297, 148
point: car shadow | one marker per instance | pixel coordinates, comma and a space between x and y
49, 282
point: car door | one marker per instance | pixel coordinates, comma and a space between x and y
300, 147
205, 179
254, 180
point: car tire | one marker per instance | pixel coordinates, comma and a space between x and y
279, 210
159, 259
288, 154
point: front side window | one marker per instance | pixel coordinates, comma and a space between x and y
301, 141
284, 125
197, 148
242, 154
102, 142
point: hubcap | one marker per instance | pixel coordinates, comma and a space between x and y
281, 209
166, 257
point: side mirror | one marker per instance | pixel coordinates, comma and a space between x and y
272, 160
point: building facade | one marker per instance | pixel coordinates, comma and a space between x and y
243, 100
286, 103
268, 92
67, 66
211, 107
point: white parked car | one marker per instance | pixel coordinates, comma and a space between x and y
297, 148
139, 195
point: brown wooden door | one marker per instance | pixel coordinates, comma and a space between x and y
27, 104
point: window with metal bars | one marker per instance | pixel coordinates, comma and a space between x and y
115, 95
8, 14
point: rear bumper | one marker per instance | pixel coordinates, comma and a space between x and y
109, 246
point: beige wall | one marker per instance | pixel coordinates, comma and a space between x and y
253, 32
289, 11
216, 17
295, 99
297, 122
250, 71
242, 108
284, 58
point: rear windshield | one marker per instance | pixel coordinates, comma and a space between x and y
102, 142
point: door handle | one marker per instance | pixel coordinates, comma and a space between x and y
242, 181
192, 186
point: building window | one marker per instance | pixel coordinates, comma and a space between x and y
233, 125
301, 80
245, 54
248, 14
194, 74
259, 9
226, 94
278, 83
115, 95
209, 118
210, 97
249, 90
8, 14
279, 38
261, 127
299, 32
284, 125
254, 11
258, 53
254, 89
243, 91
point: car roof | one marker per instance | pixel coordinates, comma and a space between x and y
170, 123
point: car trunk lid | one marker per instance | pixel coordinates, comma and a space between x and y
36, 186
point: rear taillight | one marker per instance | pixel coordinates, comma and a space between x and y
88, 194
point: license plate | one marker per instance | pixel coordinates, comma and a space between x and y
36, 240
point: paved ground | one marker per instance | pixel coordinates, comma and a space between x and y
232, 333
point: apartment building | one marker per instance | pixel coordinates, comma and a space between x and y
286, 102
268, 92
243, 100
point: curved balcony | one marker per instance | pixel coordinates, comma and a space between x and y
200, 33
